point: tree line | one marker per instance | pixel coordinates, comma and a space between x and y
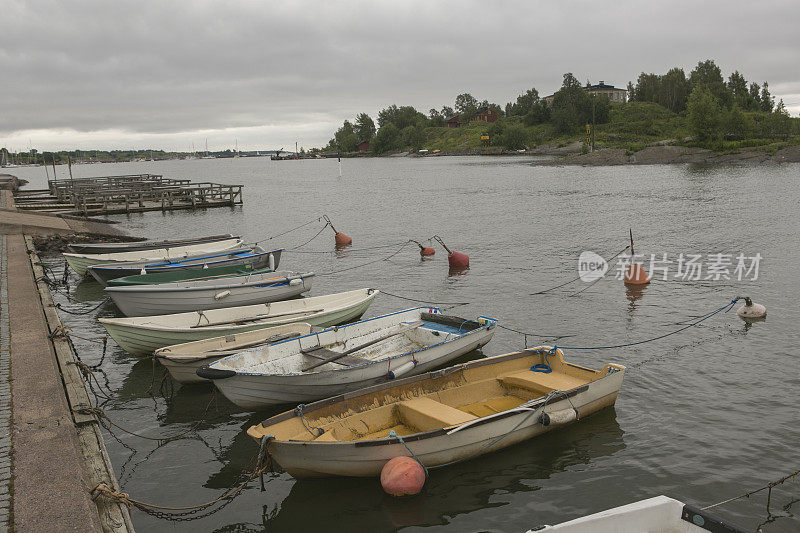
715, 109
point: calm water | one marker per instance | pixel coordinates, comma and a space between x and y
703, 416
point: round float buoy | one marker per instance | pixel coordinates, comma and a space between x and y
458, 260
636, 275
424, 250
402, 476
751, 310
342, 239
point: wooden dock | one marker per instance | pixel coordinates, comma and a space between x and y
134, 193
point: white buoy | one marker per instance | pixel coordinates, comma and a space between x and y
271, 262
751, 310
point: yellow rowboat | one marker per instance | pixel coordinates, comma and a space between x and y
443, 416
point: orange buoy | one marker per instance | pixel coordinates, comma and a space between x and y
402, 476
636, 275
342, 239
424, 250
455, 259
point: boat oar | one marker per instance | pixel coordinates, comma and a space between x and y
269, 340
338, 356
257, 317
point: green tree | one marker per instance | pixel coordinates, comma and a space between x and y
387, 139
447, 112
413, 137
708, 74
515, 138
435, 118
364, 127
401, 117
524, 103
571, 106
539, 114
345, 138
466, 106
736, 124
737, 86
648, 87
631, 92
755, 95
674, 90
767, 100
704, 114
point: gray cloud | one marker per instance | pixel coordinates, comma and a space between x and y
115, 73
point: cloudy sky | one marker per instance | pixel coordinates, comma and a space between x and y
166, 74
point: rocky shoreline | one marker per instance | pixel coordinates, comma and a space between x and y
675, 155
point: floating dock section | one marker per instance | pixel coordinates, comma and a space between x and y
132, 193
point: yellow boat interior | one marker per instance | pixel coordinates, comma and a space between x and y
441, 399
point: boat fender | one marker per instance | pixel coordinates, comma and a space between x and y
295, 282
143, 271
205, 266
221, 295
405, 368
272, 262
207, 372
555, 418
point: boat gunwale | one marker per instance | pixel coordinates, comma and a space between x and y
159, 265
483, 327
434, 374
422, 435
95, 257
145, 245
115, 321
163, 287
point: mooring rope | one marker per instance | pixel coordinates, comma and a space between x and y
577, 278
317, 220
93, 309
451, 304
257, 463
367, 263
768, 486
312, 238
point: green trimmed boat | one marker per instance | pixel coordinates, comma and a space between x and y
172, 276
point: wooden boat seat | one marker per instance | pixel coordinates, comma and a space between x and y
323, 354
491, 406
426, 414
541, 382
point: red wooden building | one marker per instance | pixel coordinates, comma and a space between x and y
453, 122
363, 146
486, 114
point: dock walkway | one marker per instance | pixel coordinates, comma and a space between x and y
51, 455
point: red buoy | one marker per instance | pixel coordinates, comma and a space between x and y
424, 250
456, 259
342, 239
402, 476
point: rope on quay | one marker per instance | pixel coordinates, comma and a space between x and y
258, 466
768, 487
92, 310
573, 280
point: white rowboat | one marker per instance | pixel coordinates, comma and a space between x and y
182, 296
183, 360
346, 358
653, 515
115, 247
80, 262
144, 335
448, 415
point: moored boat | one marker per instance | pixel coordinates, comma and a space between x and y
183, 360
443, 416
345, 358
240, 257
172, 276
215, 293
659, 514
80, 262
116, 247
144, 335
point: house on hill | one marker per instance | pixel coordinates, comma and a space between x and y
486, 114
614, 94
453, 122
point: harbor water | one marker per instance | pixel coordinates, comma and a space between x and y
703, 415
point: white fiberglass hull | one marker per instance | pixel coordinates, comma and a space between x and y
80, 262
258, 391
144, 335
169, 298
